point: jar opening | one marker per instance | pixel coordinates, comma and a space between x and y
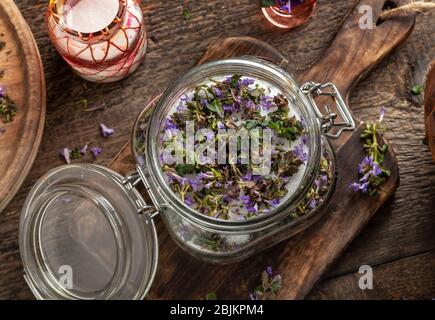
249, 71
78, 17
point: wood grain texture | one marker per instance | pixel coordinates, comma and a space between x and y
24, 81
429, 109
404, 227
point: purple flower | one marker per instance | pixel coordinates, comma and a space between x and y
356, 187
204, 102
2, 92
247, 176
305, 139
313, 203
84, 150
247, 82
324, 179
245, 199
217, 92
252, 207
181, 107
382, 114
96, 151
106, 131
209, 135
377, 171
221, 126
230, 108
266, 102
275, 203
195, 184
269, 271
250, 105
367, 162
169, 125
206, 175
65, 153
2, 130
300, 153
189, 201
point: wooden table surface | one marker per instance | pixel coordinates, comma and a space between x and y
398, 243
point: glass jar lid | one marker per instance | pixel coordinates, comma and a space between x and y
82, 236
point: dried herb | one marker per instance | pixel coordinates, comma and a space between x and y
267, 3
8, 108
211, 296
371, 173
271, 283
227, 190
417, 89
79, 153
186, 14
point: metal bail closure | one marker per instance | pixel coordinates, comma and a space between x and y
131, 180
313, 90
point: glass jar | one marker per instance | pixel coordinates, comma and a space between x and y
93, 223
103, 47
289, 14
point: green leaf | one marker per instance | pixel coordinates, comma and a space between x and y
211, 296
183, 169
235, 80
186, 14
251, 124
274, 126
216, 106
417, 89
267, 3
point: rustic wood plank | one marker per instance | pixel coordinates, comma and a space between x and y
407, 278
404, 227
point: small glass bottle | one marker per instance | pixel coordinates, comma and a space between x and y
102, 40
289, 13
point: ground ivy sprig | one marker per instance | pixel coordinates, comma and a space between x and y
271, 283
371, 173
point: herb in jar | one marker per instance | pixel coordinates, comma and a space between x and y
232, 189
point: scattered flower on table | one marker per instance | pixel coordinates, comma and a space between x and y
271, 283
65, 153
106, 131
84, 150
96, 151
2, 130
371, 173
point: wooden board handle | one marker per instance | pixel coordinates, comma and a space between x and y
355, 51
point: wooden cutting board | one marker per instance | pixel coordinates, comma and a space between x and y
24, 82
302, 259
